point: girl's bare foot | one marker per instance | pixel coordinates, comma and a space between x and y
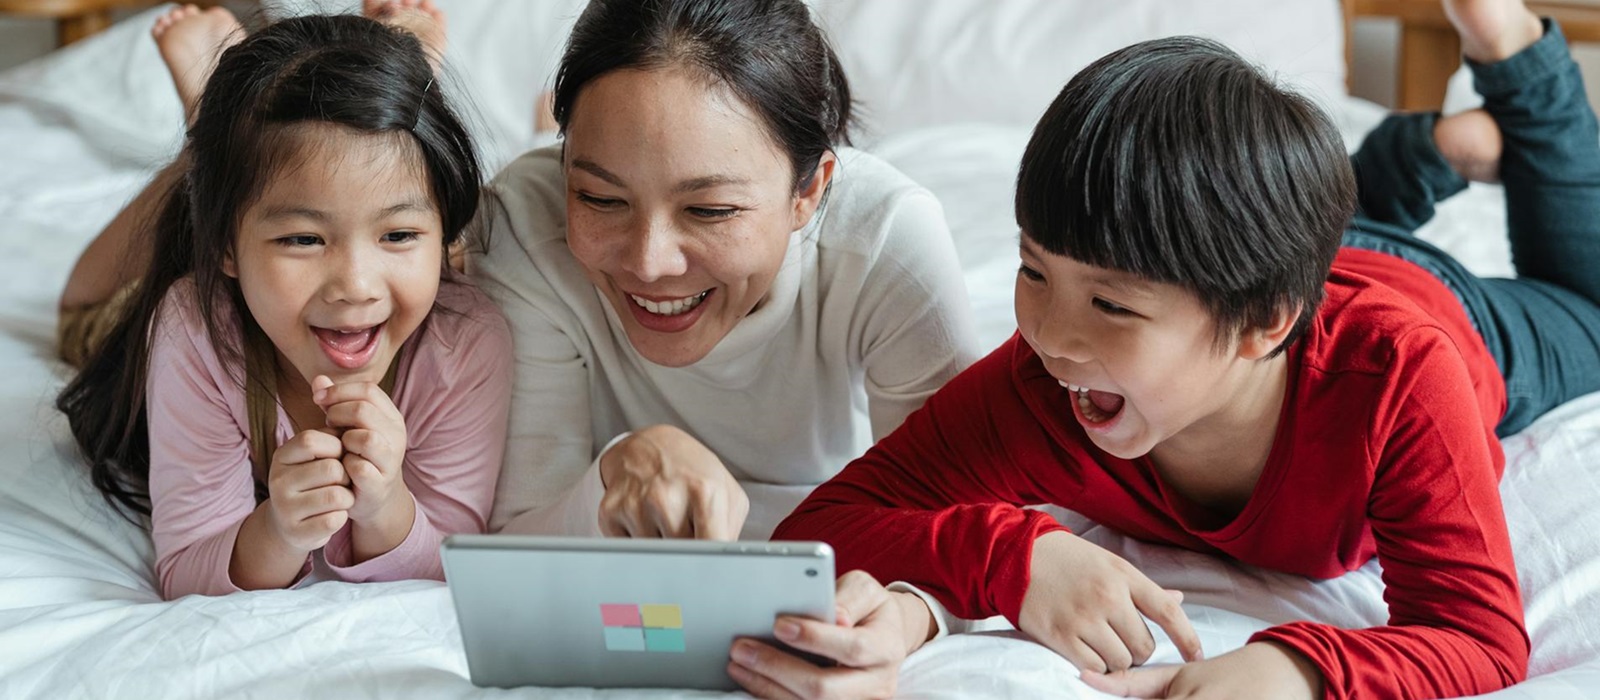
420, 17
1471, 142
1493, 30
191, 40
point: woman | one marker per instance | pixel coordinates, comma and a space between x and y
715, 305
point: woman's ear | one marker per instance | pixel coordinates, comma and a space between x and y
810, 195
1257, 343
229, 267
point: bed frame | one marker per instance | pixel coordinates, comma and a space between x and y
78, 19
1429, 50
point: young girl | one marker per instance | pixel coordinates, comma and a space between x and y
296, 379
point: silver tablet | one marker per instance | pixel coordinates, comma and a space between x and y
609, 613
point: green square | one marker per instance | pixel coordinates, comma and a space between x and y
658, 639
625, 639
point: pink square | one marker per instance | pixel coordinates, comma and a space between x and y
620, 615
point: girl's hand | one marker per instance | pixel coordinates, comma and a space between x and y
1260, 670
1085, 604
373, 438
875, 631
661, 482
309, 495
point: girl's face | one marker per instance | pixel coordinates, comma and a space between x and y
1143, 350
339, 259
679, 207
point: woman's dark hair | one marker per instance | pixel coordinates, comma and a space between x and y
1177, 161
767, 52
345, 71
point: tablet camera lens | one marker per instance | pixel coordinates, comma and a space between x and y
811, 573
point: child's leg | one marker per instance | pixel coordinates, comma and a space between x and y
1547, 321
1413, 161
190, 41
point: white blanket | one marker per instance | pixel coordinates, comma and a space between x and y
79, 615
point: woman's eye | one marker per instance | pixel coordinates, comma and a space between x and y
301, 241
1110, 308
599, 202
400, 236
712, 212
1030, 274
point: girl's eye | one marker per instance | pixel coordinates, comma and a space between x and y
300, 241
400, 236
1030, 274
599, 202
1110, 308
713, 213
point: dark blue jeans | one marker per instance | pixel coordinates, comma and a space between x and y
1543, 327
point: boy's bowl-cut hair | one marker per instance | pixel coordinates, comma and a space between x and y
1179, 162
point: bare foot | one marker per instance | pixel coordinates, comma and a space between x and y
1493, 30
420, 17
1471, 142
191, 41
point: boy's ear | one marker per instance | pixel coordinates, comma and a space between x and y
1259, 342
810, 197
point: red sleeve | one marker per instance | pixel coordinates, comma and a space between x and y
1455, 612
937, 502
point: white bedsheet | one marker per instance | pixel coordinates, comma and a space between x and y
79, 615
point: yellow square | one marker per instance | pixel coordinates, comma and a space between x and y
661, 616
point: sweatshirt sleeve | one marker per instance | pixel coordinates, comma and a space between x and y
1455, 611
457, 436
202, 485
937, 503
549, 482
916, 329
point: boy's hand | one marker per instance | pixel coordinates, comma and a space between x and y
309, 495
1260, 670
1085, 604
662, 482
373, 440
874, 632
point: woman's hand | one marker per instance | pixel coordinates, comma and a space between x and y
1261, 670
875, 631
661, 482
1085, 604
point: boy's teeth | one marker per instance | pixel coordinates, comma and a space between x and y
669, 308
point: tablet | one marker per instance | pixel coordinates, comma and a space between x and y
624, 613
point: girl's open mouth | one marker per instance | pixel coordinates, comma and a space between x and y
349, 349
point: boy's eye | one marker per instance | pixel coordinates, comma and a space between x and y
1030, 274
400, 236
1110, 308
712, 212
599, 202
299, 241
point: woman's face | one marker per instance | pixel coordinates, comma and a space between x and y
679, 207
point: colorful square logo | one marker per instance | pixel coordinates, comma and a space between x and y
652, 627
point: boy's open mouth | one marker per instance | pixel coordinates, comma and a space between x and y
1096, 407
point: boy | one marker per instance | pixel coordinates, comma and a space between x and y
1200, 363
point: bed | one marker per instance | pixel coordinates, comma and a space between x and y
950, 89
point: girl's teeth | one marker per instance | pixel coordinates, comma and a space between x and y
669, 308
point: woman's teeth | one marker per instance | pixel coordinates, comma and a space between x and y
671, 307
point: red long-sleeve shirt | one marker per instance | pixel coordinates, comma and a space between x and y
1385, 447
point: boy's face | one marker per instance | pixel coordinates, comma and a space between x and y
1140, 355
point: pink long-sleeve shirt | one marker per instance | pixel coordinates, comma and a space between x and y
453, 388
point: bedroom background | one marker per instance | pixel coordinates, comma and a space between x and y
952, 87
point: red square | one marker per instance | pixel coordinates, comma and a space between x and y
620, 615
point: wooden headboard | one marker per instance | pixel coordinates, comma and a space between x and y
1429, 51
